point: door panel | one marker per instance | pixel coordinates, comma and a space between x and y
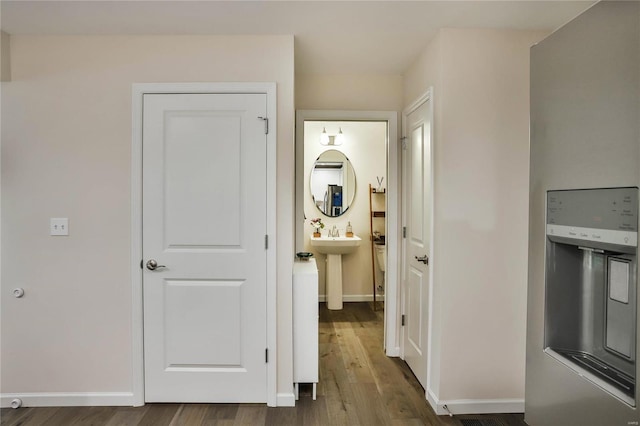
417, 182
416, 215
216, 303
204, 219
414, 310
204, 176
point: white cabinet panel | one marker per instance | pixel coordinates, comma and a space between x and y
305, 323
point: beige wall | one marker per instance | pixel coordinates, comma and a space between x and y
481, 92
365, 147
349, 92
425, 72
66, 142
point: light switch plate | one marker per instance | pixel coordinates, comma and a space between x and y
59, 226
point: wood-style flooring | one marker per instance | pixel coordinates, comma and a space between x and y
359, 385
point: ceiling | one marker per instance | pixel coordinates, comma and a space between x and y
331, 37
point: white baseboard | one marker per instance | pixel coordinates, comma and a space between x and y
81, 399
286, 400
474, 406
394, 351
433, 401
68, 399
355, 298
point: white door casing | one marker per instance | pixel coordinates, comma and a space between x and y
208, 318
418, 190
392, 276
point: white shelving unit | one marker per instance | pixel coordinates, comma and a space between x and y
305, 324
373, 214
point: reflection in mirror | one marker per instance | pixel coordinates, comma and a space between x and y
333, 183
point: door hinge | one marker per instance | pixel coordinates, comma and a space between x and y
404, 232
266, 355
266, 242
266, 124
403, 140
402, 324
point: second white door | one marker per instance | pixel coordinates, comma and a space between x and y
204, 226
417, 247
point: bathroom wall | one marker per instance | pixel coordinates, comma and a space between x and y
481, 91
365, 147
66, 144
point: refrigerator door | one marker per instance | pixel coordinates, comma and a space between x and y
585, 133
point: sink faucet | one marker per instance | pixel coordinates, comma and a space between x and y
334, 232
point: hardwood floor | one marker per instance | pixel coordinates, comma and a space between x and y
359, 385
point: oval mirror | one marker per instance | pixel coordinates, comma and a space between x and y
333, 183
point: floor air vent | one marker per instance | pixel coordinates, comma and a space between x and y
480, 422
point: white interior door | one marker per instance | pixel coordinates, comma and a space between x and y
417, 189
204, 220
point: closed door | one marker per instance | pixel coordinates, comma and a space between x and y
204, 226
417, 253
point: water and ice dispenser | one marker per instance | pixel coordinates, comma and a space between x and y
591, 285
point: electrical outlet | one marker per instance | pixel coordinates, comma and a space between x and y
59, 226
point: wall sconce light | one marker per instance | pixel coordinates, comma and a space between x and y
339, 138
326, 139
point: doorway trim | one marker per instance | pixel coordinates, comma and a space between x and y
391, 311
138, 91
421, 100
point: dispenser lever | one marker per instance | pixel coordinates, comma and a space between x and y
591, 249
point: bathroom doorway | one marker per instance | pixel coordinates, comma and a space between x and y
347, 176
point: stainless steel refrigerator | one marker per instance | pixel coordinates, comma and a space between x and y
582, 319
333, 200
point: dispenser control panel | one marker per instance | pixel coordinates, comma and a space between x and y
603, 215
611, 208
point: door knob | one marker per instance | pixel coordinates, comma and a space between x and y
424, 259
152, 265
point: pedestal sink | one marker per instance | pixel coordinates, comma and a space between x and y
334, 248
